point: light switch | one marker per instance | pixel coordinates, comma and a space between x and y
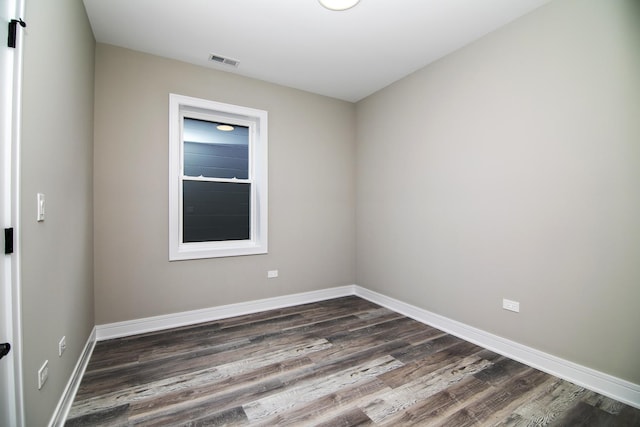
40, 207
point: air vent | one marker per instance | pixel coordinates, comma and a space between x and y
222, 60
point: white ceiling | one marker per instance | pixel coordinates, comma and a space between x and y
297, 43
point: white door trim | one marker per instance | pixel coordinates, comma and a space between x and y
16, 282
10, 218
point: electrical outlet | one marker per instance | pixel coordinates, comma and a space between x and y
511, 305
62, 346
272, 274
43, 374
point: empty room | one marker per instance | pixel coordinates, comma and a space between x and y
320, 212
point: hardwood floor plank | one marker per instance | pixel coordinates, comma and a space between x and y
376, 313
112, 416
427, 347
193, 381
629, 416
490, 408
324, 409
351, 418
549, 406
264, 398
440, 405
340, 362
224, 397
224, 354
419, 368
586, 415
365, 330
502, 370
393, 339
166, 412
317, 388
230, 417
231, 392
402, 397
529, 388
602, 402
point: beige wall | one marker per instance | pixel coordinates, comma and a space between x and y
511, 168
311, 191
508, 169
57, 254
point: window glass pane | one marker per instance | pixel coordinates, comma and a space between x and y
215, 211
214, 153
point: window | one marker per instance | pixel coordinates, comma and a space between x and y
217, 179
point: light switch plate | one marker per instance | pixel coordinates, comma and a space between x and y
40, 207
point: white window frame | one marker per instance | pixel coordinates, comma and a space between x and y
181, 106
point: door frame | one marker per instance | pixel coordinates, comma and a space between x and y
10, 197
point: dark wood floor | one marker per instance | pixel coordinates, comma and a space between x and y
342, 362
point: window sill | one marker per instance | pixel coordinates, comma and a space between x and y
187, 251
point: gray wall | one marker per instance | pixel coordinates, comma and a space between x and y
511, 169
311, 191
57, 160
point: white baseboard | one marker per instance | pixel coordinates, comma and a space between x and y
608, 385
66, 400
174, 320
605, 384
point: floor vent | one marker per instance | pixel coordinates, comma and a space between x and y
222, 60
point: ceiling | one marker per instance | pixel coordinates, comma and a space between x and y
297, 43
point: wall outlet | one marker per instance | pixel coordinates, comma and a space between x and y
507, 304
62, 346
272, 274
43, 374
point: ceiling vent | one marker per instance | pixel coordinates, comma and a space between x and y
222, 60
